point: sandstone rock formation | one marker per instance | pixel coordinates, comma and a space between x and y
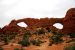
68, 23
36, 23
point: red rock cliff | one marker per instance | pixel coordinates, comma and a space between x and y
69, 22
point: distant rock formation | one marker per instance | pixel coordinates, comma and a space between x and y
68, 23
37, 23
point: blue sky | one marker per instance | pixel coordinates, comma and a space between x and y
17, 9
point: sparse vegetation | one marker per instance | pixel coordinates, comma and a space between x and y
56, 38
36, 42
70, 47
7, 37
27, 38
72, 35
40, 31
24, 42
27, 34
53, 32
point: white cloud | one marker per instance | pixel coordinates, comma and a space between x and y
16, 9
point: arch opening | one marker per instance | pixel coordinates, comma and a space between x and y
22, 24
58, 25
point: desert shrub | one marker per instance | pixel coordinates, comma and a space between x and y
6, 40
16, 49
24, 42
40, 31
27, 34
1, 48
36, 42
48, 29
72, 35
53, 32
70, 47
57, 33
56, 38
8, 37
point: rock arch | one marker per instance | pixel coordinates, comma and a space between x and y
34, 23
22, 24
68, 22
58, 25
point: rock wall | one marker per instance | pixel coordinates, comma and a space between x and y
69, 22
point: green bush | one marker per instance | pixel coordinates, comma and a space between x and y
56, 39
72, 35
8, 37
36, 42
56, 33
27, 34
49, 30
6, 40
40, 31
53, 32
24, 42
70, 47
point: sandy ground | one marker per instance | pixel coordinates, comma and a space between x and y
45, 46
